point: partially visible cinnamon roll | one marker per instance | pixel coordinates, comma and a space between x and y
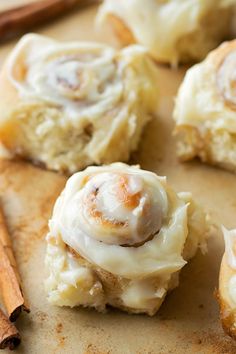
205, 109
172, 30
69, 105
227, 284
119, 236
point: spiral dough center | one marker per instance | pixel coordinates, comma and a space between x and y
118, 209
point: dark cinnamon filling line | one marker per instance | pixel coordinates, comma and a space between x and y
136, 245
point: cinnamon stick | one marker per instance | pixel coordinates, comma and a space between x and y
9, 335
21, 19
10, 282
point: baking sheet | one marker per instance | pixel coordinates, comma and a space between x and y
188, 320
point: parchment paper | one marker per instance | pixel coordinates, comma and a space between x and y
188, 320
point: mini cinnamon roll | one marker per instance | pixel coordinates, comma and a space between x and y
70, 105
206, 107
172, 30
119, 236
227, 284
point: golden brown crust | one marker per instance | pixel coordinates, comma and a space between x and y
217, 56
124, 34
227, 308
8, 131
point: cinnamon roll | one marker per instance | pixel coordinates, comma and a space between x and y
227, 284
206, 107
172, 30
119, 236
69, 105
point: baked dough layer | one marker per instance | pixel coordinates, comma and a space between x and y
119, 236
205, 110
227, 285
70, 105
173, 30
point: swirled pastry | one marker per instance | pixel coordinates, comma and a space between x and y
119, 236
69, 105
206, 107
227, 284
172, 30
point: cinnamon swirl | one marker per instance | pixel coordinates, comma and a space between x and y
206, 107
119, 236
70, 105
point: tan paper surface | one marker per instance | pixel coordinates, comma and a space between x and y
188, 321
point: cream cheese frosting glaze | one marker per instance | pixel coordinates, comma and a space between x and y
72, 104
226, 79
230, 247
129, 230
173, 30
205, 109
227, 284
230, 255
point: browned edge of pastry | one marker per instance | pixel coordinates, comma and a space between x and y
121, 30
227, 312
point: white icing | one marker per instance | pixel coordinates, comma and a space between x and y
230, 246
226, 78
142, 294
61, 74
163, 253
230, 253
159, 25
201, 100
232, 288
142, 274
75, 75
69, 283
100, 97
137, 223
